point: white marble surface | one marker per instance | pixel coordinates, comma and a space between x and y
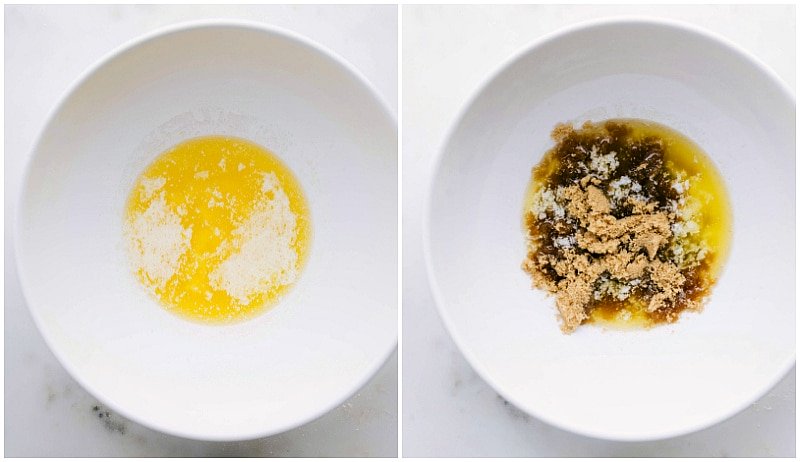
447, 409
46, 412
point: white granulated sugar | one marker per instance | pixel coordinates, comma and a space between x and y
559, 211
215, 203
624, 180
689, 208
620, 188
681, 183
152, 185
603, 283
680, 186
560, 192
618, 289
270, 182
603, 165
240, 167
266, 257
687, 251
684, 228
157, 241
673, 206
203, 174
624, 292
542, 201
546, 200
565, 241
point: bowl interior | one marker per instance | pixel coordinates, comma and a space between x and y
286, 366
612, 384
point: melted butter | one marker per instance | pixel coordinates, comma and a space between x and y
707, 187
214, 185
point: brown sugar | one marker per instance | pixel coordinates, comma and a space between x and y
624, 248
600, 226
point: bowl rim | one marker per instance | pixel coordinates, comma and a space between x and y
22, 269
546, 39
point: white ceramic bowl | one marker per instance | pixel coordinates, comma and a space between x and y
331, 332
634, 385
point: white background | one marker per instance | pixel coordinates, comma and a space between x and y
46, 412
447, 409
